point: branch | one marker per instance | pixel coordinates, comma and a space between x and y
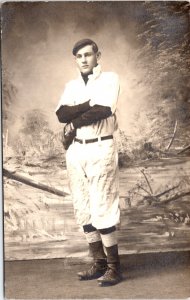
173, 136
33, 183
145, 190
151, 191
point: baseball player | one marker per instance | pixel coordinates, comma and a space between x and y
88, 106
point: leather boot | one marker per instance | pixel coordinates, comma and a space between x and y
100, 263
112, 275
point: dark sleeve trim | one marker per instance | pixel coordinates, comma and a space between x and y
93, 115
67, 113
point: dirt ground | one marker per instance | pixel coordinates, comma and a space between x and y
146, 276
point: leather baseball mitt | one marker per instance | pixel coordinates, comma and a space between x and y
68, 135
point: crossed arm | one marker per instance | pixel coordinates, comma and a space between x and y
82, 114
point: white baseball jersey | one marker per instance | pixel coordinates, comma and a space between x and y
102, 88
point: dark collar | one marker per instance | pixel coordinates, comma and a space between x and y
85, 77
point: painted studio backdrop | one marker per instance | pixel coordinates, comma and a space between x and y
147, 44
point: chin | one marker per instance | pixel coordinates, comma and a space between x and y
86, 72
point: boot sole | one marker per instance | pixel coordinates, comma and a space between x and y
109, 283
86, 279
81, 278
104, 284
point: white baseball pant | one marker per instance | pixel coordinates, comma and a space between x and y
94, 182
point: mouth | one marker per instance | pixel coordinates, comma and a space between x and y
85, 67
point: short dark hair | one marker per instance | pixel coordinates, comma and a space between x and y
82, 43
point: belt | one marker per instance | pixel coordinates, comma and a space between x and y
103, 138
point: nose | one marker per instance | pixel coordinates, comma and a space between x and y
83, 59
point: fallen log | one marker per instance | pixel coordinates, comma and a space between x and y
31, 182
184, 149
175, 197
167, 191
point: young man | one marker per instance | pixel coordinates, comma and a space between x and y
88, 106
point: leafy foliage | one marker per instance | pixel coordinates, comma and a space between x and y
163, 64
9, 96
35, 139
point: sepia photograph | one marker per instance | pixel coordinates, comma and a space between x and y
96, 149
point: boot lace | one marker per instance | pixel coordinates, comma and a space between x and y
109, 274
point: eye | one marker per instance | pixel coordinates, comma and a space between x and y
88, 54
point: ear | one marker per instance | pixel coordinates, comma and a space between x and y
98, 55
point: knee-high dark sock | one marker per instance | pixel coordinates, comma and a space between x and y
113, 274
95, 243
109, 240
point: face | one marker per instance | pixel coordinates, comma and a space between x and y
86, 59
